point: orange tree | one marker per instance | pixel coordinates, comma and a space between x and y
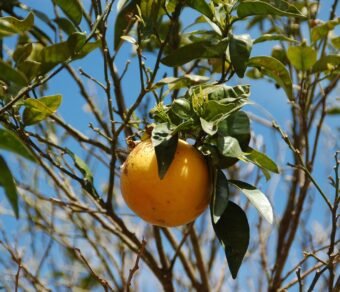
185, 81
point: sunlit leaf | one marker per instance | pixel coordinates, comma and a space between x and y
201, 6
274, 69
261, 160
37, 110
10, 25
270, 7
230, 147
257, 198
326, 63
273, 37
71, 8
66, 25
322, 30
302, 57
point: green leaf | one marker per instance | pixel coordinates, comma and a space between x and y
181, 108
8, 183
302, 57
218, 110
230, 147
326, 63
59, 53
201, 6
261, 160
237, 125
198, 50
232, 231
186, 80
220, 196
269, 7
322, 30
165, 145
65, 25
82, 166
124, 21
11, 142
40, 109
223, 92
274, 69
10, 74
10, 25
72, 9
239, 51
210, 127
273, 37
334, 110
336, 42
257, 198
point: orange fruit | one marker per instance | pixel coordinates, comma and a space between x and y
179, 198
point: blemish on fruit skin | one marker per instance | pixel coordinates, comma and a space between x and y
153, 208
168, 202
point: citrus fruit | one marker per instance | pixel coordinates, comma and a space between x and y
177, 199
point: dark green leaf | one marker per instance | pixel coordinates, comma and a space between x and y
237, 125
165, 147
71, 8
65, 25
9, 141
302, 57
220, 196
257, 198
181, 108
265, 8
10, 25
239, 50
274, 69
38, 110
198, 50
232, 231
124, 21
273, 37
8, 183
201, 6
10, 74
326, 63
322, 30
